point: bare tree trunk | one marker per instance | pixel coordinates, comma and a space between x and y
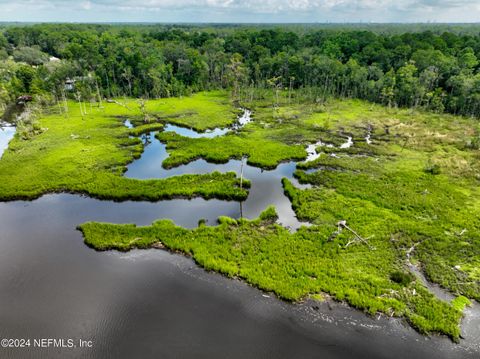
241, 174
65, 103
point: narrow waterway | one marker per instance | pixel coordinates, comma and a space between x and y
154, 304
266, 186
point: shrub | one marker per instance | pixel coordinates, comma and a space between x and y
402, 278
433, 169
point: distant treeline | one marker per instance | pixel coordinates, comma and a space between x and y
430, 66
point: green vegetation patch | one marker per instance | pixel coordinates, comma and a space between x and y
291, 265
420, 177
86, 150
201, 111
275, 135
260, 152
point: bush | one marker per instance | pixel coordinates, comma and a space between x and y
30, 55
402, 278
269, 215
433, 169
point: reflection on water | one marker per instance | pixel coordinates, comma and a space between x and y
243, 120
186, 132
347, 144
266, 187
7, 132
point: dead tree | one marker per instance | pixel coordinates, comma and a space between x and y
241, 173
141, 104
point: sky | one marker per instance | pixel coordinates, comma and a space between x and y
241, 11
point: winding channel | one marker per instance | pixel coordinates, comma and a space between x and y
151, 303
266, 187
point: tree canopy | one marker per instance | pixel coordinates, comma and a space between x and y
433, 67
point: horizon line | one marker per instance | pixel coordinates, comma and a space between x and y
241, 23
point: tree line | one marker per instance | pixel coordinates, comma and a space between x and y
433, 69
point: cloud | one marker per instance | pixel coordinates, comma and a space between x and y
242, 10
446, 3
87, 5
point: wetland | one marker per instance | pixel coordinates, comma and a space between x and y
257, 195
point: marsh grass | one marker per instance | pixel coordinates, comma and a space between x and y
293, 266
260, 152
88, 154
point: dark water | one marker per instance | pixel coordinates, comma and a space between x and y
153, 304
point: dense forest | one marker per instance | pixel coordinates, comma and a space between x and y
435, 68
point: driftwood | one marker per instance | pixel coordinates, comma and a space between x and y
410, 250
118, 103
341, 225
158, 245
